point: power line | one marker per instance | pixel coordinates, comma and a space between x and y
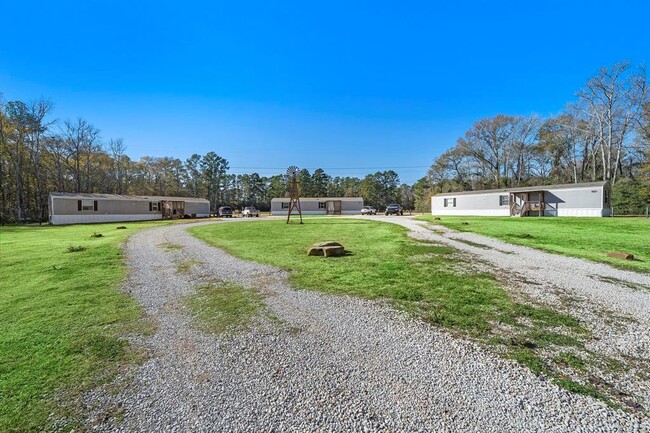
335, 168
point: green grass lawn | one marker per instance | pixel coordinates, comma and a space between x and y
587, 238
382, 263
430, 281
224, 308
61, 315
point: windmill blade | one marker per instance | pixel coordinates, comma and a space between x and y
293, 171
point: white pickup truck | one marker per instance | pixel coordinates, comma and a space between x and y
250, 212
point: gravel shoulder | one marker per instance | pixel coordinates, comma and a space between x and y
627, 292
613, 304
317, 362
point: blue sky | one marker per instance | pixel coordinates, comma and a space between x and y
345, 85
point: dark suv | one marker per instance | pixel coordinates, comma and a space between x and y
224, 211
394, 209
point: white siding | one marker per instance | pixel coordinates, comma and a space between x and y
469, 212
64, 208
578, 201
486, 204
310, 205
314, 212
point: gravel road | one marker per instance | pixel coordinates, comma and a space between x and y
583, 278
327, 363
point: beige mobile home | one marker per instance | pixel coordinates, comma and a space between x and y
79, 208
578, 200
320, 206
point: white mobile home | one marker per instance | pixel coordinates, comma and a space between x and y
79, 208
579, 200
320, 206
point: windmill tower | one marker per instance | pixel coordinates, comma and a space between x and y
292, 174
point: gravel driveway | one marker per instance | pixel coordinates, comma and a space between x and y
600, 283
327, 363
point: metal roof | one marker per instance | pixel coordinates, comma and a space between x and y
530, 188
83, 195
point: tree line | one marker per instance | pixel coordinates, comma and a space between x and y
602, 135
39, 155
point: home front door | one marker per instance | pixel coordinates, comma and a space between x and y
333, 207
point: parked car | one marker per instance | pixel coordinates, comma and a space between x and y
394, 209
250, 212
224, 211
368, 210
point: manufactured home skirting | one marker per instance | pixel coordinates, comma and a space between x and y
85, 219
568, 212
89, 219
584, 212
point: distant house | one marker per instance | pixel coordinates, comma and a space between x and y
578, 200
79, 208
320, 206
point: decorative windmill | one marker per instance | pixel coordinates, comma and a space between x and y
292, 174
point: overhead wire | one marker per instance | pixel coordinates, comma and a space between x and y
385, 167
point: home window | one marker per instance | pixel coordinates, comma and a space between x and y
285, 205
83, 205
321, 205
450, 202
154, 206
504, 200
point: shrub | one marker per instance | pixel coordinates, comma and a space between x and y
628, 198
78, 248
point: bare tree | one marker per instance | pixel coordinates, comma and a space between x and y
487, 142
117, 148
6, 183
519, 147
57, 150
562, 138
81, 139
37, 112
611, 104
18, 127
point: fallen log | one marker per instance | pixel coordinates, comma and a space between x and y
619, 255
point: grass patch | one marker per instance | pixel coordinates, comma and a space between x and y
61, 317
224, 308
579, 388
185, 267
587, 238
568, 359
613, 365
169, 246
472, 244
545, 338
619, 282
527, 357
